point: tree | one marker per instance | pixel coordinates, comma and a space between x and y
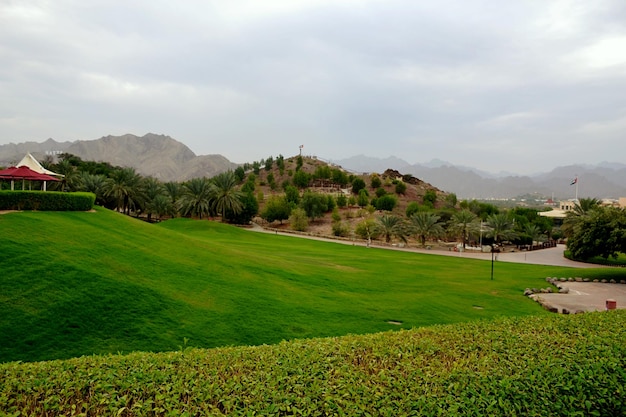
301, 179
196, 198
276, 208
151, 188
451, 200
387, 202
500, 227
174, 190
375, 181
430, 198
124, 189
314, 204
583, 207
298, 220
390, 226
225, 195
533, 232
426, 225
357, 185
600, 232
163, 206
292, 195
249, 209
339, 177
94, 184
240, 173
268, 163
363, 198
400, 187
463, 224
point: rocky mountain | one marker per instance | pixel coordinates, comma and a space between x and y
606, 180
153, 155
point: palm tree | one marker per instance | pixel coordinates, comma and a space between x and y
124, 189
151, 189
91, 183
225, 196
196, 198
582, 208
534, 232
500, 227
464, 223
390, 226
426, 225
162, 206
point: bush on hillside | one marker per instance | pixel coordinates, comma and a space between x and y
46, 201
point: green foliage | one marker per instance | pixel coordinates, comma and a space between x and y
301, 179
430, 198
600, 232
299, 163
256, 167
298, 220
451, 201
276, 208
412, 208
366, 229
552, 365
46, 200
387, 202
400, 188
363, 198
292, 195
240, 174
268, 163
342, 201
357, 185
322, 172
425, 226
249, 209
331, 203
375, 181
339, 177
390, 226
314, 204
380, 192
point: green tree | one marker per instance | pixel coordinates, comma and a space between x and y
363, 198
174, 191
196, 198
240, 173
500, 227
276, 208
226, 196
464, 223
314, 204
426, 225
430, 198
124, 189
451, 201
390, 226
533, 232
301, 179
600, 232
92, 183
400, 188
298, 220
249, 209
268, 163
151, 188
292, 195
357, 185
163, 206
339, 177
387, 202
342, 201
375, 181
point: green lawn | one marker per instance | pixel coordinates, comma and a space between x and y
80, 283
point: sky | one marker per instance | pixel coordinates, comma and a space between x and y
517, 86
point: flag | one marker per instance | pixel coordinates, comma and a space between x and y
574, 181
301, 146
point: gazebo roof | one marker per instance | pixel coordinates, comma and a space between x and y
33, 164
25, 173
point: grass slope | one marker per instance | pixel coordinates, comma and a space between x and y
551, 365
82, 283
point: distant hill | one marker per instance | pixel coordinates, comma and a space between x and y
606, 180
153, 155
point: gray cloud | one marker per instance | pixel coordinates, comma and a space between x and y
516, 86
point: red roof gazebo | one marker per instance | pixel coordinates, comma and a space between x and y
24, 173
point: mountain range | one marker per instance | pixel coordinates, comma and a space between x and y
167, 159
605, 180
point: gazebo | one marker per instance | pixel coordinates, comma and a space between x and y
25, 173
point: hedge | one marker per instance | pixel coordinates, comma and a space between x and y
46, 201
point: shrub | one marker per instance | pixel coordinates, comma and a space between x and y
46, 201
298, 220
342, 201
387, 202
400, 187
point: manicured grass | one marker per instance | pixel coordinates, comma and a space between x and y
80, 283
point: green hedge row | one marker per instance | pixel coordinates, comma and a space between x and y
46, 201
549, 365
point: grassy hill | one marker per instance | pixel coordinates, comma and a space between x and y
75, 284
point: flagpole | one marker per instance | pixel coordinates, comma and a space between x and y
577, 188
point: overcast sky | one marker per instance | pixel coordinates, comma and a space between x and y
498, 85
